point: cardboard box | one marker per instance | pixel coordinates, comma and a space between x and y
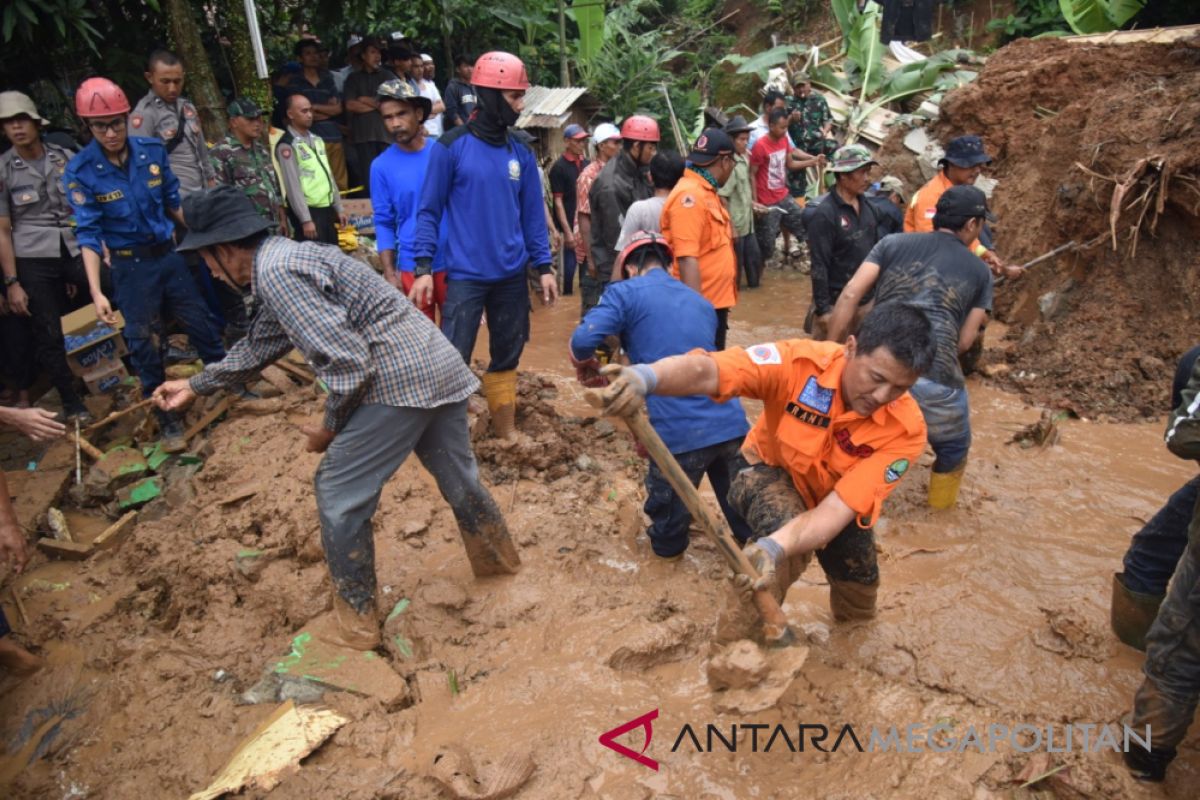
103, 381
95, 354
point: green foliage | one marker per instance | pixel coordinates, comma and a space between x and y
759, 63
1099, 16
22, 20
864, 51
936, 72
1030, 18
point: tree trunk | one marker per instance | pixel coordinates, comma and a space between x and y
201, 84
246, 82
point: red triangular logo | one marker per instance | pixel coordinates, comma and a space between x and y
608, 739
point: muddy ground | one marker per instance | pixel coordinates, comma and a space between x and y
992, 613
1098, 331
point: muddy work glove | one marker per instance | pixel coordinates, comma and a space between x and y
628, 387
769, 560
587, 372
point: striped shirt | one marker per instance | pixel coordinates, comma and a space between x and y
363, 338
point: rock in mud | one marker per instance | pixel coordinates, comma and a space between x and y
783, 665
739, 666
460, 779
650, 644
1072, 635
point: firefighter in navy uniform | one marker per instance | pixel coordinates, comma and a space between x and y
125, 196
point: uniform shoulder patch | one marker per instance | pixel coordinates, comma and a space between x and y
285, 151
764, 354
687, 201
135, 121
930, 213
895, 470
78, 197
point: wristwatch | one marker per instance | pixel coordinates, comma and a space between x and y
9, 280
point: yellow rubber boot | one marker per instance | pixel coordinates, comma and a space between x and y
943, 488
501, 391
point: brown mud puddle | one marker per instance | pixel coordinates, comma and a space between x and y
993, 613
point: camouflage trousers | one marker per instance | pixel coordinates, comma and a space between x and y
1167, 698
766, 499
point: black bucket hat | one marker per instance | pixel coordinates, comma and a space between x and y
219, 215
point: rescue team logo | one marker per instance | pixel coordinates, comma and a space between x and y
688, 201
78, 197
845, 222
816, 396
646, 723
895, 470
135, 121
154, 169
765, 354
514, 170
930, 213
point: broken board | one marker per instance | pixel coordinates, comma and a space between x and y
357, 671
274, 748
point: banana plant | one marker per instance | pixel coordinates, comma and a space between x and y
1099, 16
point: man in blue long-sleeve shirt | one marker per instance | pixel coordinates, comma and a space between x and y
656, 316
486, 185
397, 176
123, 191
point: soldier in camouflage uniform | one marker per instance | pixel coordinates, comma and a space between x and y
811, 123
242, 160
1167, 698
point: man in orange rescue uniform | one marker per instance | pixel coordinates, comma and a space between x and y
698, 228
837, 432
962, 164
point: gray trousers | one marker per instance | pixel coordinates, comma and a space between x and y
364, 456
766, 228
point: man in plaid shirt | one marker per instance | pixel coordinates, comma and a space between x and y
396, 385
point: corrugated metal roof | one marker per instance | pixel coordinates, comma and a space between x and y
547, 107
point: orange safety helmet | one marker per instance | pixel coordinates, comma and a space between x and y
100, 97
499, 70
640, 128
642, 244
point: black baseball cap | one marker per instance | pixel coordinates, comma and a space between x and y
244, 107
711, 145
964, 201
966, 152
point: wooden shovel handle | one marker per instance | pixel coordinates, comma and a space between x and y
775, 622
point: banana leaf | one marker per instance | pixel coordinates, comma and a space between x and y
864, 51
921, 75
759, 63
1099, 16
845, 11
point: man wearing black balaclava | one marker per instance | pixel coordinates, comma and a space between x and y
485, 184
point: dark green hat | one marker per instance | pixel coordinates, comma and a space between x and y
244, 107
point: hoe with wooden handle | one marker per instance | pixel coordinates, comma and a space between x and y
775, 625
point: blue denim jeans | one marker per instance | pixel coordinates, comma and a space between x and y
669, 517
145, 288
1155, 550
948, 420
507, 306
568, 270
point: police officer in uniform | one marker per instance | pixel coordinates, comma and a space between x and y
123, 190
164, 113
312, 194
38, 251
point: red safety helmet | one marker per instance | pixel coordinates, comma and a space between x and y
639, 128
100, 97
643, 244
499, 70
